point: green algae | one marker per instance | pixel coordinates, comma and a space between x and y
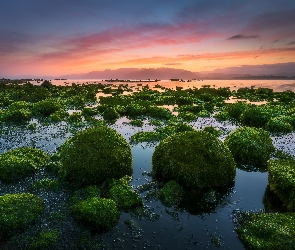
194, 159
17, 211
94, 155
250, 145
22, 162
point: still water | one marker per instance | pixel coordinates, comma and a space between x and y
201, 221
276, 85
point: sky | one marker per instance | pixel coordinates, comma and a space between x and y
54, 37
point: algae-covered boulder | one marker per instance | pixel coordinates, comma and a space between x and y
123, 195
18, 112
45, 240
194, 159
46, 107
97, 213
267, 231
94, 155
22, 162
281, 178
84, 194
278, 125
212, 130
255, 116
18, 210
250, 145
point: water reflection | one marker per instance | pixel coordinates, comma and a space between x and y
198, 202
252, 168
272, 203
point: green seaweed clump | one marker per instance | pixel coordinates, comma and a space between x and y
110, 114
124, 197
22, 162
46, 240
96, 213
95, 155
85, 193
278, 125
45, 184
136, 122
46, 107
18, 112
222, 115
159, 112
160, 133
194, 159
171, 194
212, 130
281, 177
255, 116
234, 110
250, 145
267, 230
187, 116
18, 210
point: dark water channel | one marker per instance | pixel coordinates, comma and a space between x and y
201, 221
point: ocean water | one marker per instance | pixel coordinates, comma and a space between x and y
276, 85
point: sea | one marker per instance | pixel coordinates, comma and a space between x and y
276, 85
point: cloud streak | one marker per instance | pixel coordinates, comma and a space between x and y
242, 37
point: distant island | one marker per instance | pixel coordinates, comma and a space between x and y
267, 77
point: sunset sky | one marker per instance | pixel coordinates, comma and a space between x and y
56, 37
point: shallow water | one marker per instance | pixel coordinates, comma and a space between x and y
201, 221
276, 85
205, 222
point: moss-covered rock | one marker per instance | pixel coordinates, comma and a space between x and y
124, 197
135, 110
255, 116
267, 231
94, 155
45, 184
278, 125
281, 177
212, 130
46, 240
46, 107
159, 112
187, 116
203, 113
18, 112
235, 110
194, 159
171, 193
75, 118
250, 145
22, 162
136, 123
18, 210
96, 213
110, 114
222, 116
85, 193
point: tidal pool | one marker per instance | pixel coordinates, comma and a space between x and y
200, 221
